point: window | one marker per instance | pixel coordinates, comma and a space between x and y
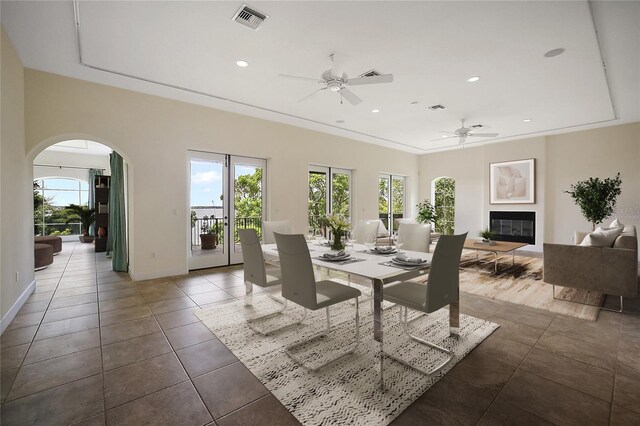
50, 197
391, 199
444, 196
329, 192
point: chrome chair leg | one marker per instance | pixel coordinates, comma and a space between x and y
252, 322
620, 311
291, 348
405, 326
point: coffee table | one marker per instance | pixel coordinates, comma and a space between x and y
501, 247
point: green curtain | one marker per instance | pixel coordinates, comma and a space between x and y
117, 234
92, 194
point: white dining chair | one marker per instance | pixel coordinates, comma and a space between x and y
300, 287
415, 236
366, 230
271, 226
442, 289
255, 273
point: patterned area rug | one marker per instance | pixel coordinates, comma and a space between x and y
522, 284
346, 392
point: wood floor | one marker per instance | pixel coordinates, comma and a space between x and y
91, 347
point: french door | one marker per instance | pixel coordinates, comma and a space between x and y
329, 192
226, 193
391, 199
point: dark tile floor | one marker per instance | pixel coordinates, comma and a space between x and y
92, 347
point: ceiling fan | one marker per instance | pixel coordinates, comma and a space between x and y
336, 80
464, 132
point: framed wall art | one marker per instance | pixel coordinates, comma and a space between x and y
513, 182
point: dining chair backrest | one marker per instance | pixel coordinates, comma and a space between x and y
298, 280
254, 269
271, 226
366, 228
444, 273
416, 236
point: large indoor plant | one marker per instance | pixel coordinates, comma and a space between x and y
426, 213
338, 225
86, 216
596, 197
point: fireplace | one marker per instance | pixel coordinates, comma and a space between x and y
516, 226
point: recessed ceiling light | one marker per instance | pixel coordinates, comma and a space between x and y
554, 52
473, 79
242, 64
339, 121
375, 110
526, 120
445, 136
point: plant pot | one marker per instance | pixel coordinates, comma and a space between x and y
337, 243
208, 241
86, 238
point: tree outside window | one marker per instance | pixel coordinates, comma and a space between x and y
444, 201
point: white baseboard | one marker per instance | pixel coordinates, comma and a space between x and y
6, 320
140, 276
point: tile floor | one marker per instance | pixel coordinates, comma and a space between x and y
92, 347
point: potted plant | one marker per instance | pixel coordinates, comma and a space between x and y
596, 198
487, 234
426, 213
338, 225
208, 237
86, 216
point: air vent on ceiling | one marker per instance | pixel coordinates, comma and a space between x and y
249, 17
437, 107
371, 73
477, 126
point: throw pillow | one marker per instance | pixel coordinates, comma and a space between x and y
602, 237
616, 224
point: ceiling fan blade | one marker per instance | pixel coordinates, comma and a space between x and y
297, 77
351, 97
311, 94
484, 135
376, 79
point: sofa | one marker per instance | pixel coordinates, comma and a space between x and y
609, 270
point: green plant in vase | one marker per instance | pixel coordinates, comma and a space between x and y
338, 225
487, 234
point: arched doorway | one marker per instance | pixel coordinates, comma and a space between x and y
444, 196
79, 188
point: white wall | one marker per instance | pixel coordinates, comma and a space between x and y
16, 199
153, 134
561, 160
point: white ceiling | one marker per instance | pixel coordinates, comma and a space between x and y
79, 146
430, 47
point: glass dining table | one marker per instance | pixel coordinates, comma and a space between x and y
379, 269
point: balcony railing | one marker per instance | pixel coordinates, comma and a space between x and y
217, 225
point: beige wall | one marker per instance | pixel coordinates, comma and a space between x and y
153, 134
16, 201
560, 161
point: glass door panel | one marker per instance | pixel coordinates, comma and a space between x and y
318, 206
384, 199
207, 197
341, 192
248, 200
391, 200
